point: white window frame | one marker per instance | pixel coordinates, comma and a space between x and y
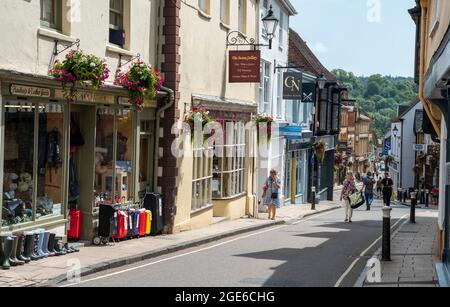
279, 107
225, 11
281, 31
202, 178
231, 168
242, 16
266, 88
120, 12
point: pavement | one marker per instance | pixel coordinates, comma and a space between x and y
414, 255
93, 259
318, 251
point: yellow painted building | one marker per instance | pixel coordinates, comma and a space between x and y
432, 18
215, 187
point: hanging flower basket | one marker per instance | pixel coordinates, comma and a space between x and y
142, 82
263, 121
79, 70
198, 115
320, 148
418, 169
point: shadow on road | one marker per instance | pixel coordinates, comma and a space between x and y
323, 264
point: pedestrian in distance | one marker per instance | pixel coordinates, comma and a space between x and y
388, 189
348, 189
271, 194
369, 184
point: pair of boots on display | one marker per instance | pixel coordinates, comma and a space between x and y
21, 248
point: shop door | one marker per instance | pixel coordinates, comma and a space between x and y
288, 179
146, 157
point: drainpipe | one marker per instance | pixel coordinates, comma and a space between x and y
159, 112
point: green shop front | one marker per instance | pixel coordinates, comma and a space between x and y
56, 155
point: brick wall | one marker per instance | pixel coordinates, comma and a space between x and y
170, 68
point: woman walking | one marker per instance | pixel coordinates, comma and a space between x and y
271, 194
347, 190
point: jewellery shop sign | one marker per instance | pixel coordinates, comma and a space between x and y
245, 66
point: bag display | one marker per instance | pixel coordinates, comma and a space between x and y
357, 199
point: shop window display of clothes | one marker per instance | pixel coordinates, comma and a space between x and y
18, 165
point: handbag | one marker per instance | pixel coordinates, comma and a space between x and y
357, 199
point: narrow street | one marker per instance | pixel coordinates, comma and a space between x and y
316, 251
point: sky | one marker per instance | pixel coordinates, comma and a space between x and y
363, 36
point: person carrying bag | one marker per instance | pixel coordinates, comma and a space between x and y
348, 190
271, 194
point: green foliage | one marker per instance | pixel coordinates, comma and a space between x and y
378, 95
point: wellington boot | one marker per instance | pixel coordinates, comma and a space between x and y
20, 253
13, 258
6, 243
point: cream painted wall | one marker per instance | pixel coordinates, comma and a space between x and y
204, 70
23, 49
444, 22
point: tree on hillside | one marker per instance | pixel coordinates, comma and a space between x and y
378, 95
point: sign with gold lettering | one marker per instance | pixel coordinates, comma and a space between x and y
245, 66
292, 86
29, 91
89, 97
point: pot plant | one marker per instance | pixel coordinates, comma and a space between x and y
141, 81
320, 148
264, 127
79, 70
198, 115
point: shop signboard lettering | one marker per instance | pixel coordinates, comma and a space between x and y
292, 86
29, 91
245, 66
89, 97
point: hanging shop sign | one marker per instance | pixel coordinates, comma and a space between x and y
308, 93
89, 97
292, 86
292, 132
245, 66
420, 147
29, 91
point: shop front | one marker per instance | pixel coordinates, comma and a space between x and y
296, 173
226, 179
296, 179
58, 156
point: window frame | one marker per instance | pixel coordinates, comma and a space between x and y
120, 13
36, 106
242, 16
225, 12
204, 6
57, 11
203, 177
232, 164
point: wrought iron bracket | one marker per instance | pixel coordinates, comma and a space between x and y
136, 57
57, 52
237, 39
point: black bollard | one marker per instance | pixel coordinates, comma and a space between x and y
313, 205
386, 247
412, 218
427, 198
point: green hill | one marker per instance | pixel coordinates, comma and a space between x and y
378, 95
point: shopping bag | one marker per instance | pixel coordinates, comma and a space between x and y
357, 199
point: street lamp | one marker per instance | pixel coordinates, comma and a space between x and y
395, 131
321, 82
270, 23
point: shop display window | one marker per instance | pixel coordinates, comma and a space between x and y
228, 164
18, 169
113, 156
202, 178
50, 161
